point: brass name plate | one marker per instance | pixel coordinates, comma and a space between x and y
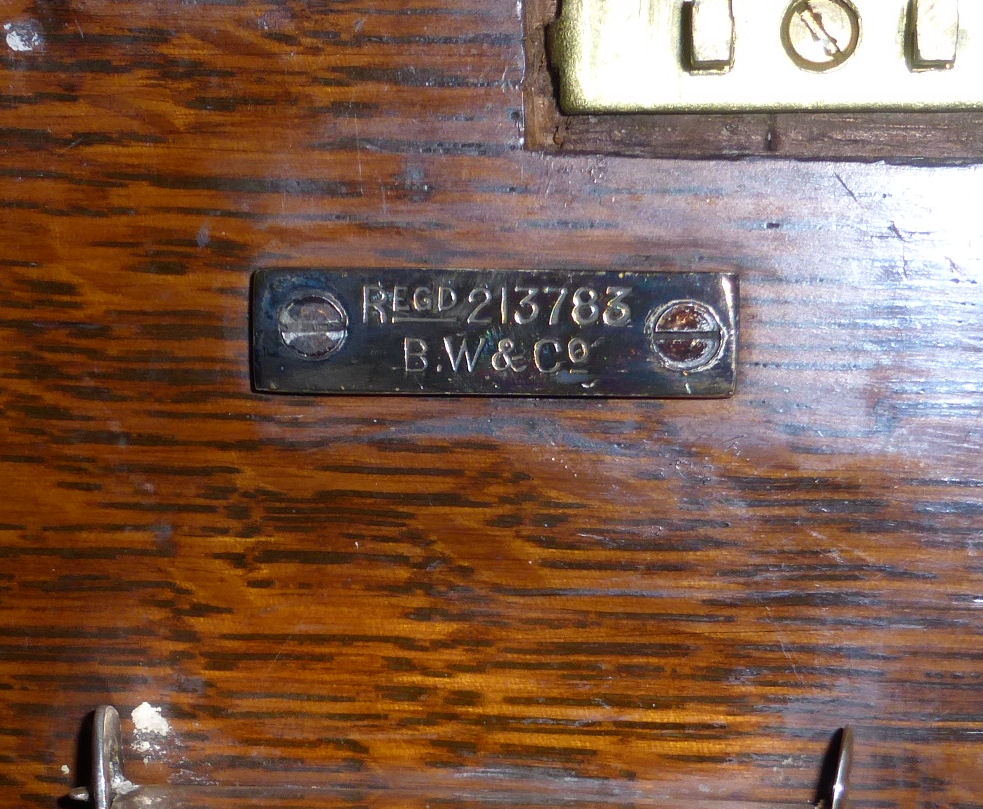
768, 55
495, 332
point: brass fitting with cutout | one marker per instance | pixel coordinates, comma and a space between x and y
726, 56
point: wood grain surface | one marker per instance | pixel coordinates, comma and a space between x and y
677, 600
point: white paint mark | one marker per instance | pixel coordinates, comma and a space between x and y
66, 770
151, 729
122, 786
24, 36
148, 719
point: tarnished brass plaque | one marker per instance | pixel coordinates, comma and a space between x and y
495, 332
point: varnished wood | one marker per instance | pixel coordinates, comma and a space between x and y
683, 598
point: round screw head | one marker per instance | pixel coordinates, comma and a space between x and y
685, 335
314, 325
820, 34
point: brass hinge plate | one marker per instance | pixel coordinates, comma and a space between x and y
768, 55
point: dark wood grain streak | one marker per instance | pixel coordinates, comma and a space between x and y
678, 600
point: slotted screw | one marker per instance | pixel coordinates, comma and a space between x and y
821, 34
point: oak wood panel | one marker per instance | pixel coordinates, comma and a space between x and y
675, 599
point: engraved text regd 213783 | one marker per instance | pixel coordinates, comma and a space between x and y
495, 332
